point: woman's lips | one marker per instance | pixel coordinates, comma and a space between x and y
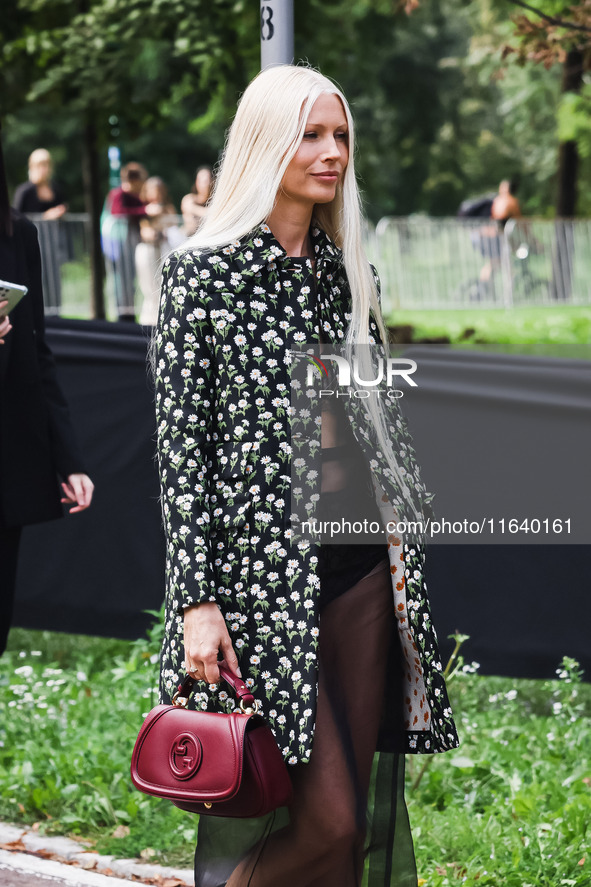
326, 176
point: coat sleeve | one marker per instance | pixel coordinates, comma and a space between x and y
184, 403
123, 204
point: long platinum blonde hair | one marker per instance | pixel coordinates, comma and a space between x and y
264, 137
266, 133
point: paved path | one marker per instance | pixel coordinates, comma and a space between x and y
28, 859
24, 870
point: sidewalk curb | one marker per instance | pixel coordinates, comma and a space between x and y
51, 871
21, 841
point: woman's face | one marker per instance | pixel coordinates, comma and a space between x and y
152, 193
40, 169
203, 182
320, 162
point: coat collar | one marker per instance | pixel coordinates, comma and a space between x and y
266, 251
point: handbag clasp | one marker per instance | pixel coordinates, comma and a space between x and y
249, 709
180, 701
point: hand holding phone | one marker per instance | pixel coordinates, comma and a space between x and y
5, 325
10, 296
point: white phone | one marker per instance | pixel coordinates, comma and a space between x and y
13, 292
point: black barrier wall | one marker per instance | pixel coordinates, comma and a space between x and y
524, 606
97, 571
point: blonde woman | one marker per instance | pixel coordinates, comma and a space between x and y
41, 194
335, 641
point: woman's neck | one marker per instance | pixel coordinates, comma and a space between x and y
292, 229
44, 191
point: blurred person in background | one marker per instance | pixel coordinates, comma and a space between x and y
194, 204
153, 247
37, 441
120, 234
44, 197
505, 206
41, 194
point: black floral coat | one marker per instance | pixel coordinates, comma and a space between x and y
228, 322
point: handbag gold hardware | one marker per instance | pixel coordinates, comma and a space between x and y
250, 709
180, 701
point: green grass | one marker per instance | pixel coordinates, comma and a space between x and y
76, 292
76, 289
510, 808
568, 325
70, 709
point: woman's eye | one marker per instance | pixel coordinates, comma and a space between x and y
342, 135
310, 135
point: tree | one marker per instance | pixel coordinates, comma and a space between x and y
439, 115
391, 67
556, 31
138, 61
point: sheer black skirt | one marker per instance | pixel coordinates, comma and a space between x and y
348, 823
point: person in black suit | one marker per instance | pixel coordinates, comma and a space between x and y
37, 441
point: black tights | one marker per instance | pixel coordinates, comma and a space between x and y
324, 842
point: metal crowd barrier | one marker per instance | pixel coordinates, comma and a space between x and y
423, 263
65, 262
460, 263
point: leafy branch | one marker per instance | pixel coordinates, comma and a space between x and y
552, 20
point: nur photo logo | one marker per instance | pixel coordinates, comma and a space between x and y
355, 377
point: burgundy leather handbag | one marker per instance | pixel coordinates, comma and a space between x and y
210, 763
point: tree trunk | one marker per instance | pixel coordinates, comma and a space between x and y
93, 202
566, 203
568, 157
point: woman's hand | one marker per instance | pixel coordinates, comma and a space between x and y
153, 209
78, 490
205, 635
5, 325
56, 212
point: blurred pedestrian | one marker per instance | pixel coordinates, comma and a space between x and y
44, 197
41, 194
120, 233
194, 204
153, 247
505, 206
37, 441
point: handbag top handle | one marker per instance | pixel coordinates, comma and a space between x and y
247, 700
